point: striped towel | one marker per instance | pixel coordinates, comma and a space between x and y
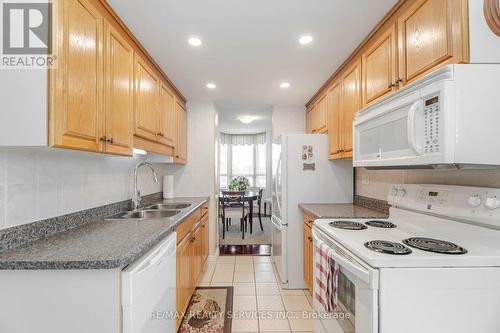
327, 272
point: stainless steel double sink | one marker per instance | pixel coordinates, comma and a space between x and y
156, 211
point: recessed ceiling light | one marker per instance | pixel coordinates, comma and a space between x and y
284, 85
194, 41
245, 119
306, 39
211, 85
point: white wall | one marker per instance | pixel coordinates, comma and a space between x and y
197, 177
38, 183
288, 119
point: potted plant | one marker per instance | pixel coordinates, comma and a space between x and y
239, 183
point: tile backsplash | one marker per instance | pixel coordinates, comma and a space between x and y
377, 183
38, 183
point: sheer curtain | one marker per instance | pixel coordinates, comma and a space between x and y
242, 155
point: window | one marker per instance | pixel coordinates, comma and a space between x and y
243, 160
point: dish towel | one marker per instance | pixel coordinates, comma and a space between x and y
327, 273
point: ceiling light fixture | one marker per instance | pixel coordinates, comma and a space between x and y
194, 41
305, 39
284, 85
246, 119
211, 85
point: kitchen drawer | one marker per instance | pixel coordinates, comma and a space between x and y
309, 219
188, 224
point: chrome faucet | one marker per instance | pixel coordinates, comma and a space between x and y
136, 196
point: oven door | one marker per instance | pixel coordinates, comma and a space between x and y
357, 293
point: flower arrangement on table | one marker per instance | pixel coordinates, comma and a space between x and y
239, 183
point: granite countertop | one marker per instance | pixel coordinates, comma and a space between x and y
341, 211
99, 244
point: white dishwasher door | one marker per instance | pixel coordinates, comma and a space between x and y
148, 291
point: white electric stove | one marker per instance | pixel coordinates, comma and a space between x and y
432, 266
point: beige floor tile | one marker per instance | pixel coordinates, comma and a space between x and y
244, 277
209, 267
220, 284
274, 325
302, 325
245, 325
292, 292
203, 284
226, 259
244, 267
263, 267
224, 267
262, 259
223, 276
244, 289
244, 303
206, 276
296, 303
267, 289
270, 303
244, 259
262, 277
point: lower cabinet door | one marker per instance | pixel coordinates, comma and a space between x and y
308, 257
184, 278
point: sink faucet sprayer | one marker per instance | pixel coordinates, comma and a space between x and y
136, 196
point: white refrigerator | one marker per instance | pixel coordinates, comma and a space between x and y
302, 173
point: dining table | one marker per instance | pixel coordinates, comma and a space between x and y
250, 196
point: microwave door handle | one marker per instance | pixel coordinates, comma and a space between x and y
411, 127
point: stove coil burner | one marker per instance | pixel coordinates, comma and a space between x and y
348, 225
387, 247
380, 224
434, 245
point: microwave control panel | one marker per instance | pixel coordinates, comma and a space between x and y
432, 125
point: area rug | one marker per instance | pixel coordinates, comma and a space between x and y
209, 311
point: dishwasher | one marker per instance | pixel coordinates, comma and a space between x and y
148, 290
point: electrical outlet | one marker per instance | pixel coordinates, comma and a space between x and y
365, 180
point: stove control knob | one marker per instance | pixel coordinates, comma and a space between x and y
474, 201
492, 203
401, 192
395, 191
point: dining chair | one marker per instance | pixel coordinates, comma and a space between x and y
258, 206
233, 206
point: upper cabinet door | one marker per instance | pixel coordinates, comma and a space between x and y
167, 131
119, 94
431, 33
351, 102
321, 116
379, 67
182, 127
310, 120
147, 92
77, 83
334, 127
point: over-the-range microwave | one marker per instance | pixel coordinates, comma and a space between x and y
448, 118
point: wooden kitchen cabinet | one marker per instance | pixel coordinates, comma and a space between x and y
344, 101
119, 94
308, 248
147, 88
76, 111
309, 119
182, 123
317, 117
379, 67
192, 253
167, 121
431, 33
106, 94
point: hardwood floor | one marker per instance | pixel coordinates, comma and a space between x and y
245, 250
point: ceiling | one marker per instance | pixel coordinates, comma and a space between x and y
250, 46
229, 122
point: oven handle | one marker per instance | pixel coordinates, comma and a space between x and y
411, 127
355, 268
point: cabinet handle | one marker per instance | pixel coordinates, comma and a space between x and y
193, 239
398, 80
391, 85
103, 139
310, 238
160, 134
311, 221
110, 140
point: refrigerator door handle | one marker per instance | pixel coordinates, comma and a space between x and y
278, 204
